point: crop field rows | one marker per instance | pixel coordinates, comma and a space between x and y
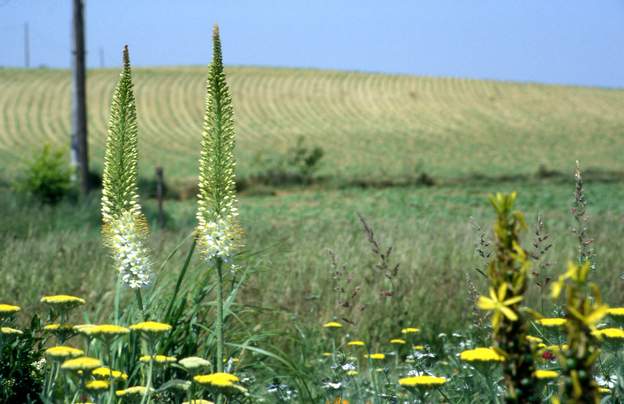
370, 125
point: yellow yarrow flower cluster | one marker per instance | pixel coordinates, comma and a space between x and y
109, 330
81, 363
555, 348
8, 309
58, 327
534, 340
132, 391
546, 374
552, 322
10, 331
610, 333
356, 343
151, 327
398, 341
219, 380
107, 373
410, 330
376, 356
96, 385
194, 362
481, 355
63, 302
422, 381
62, 352
616, 311
161, 359
332, 324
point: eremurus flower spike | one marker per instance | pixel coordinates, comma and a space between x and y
125, 227
218, 231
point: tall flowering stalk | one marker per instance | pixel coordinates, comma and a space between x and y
218, 231
124, 226
584, 309
507, 273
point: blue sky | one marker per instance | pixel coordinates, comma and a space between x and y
550, 41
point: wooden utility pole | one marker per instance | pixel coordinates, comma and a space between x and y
79, 147
101, 57
26, 46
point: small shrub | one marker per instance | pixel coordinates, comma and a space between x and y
47, 177
21, 367
295, 166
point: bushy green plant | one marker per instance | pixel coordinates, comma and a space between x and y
297, 165
47, 176
21, 365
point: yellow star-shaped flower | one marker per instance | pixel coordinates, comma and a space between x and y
574, 272
497, 303
592, 317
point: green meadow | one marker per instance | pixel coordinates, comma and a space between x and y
364, 202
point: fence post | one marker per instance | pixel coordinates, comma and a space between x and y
160, 191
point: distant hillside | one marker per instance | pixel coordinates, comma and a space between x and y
370, 125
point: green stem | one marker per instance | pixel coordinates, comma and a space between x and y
148, 386
139, 299
180, 278
220, 343
117, 298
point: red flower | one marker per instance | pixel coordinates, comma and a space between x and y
548, 355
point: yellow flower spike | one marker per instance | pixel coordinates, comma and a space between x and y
151, 327
376, 356
410, 330
398, 341
332, 324
497, 303
422, 381
356, 343
8, 309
